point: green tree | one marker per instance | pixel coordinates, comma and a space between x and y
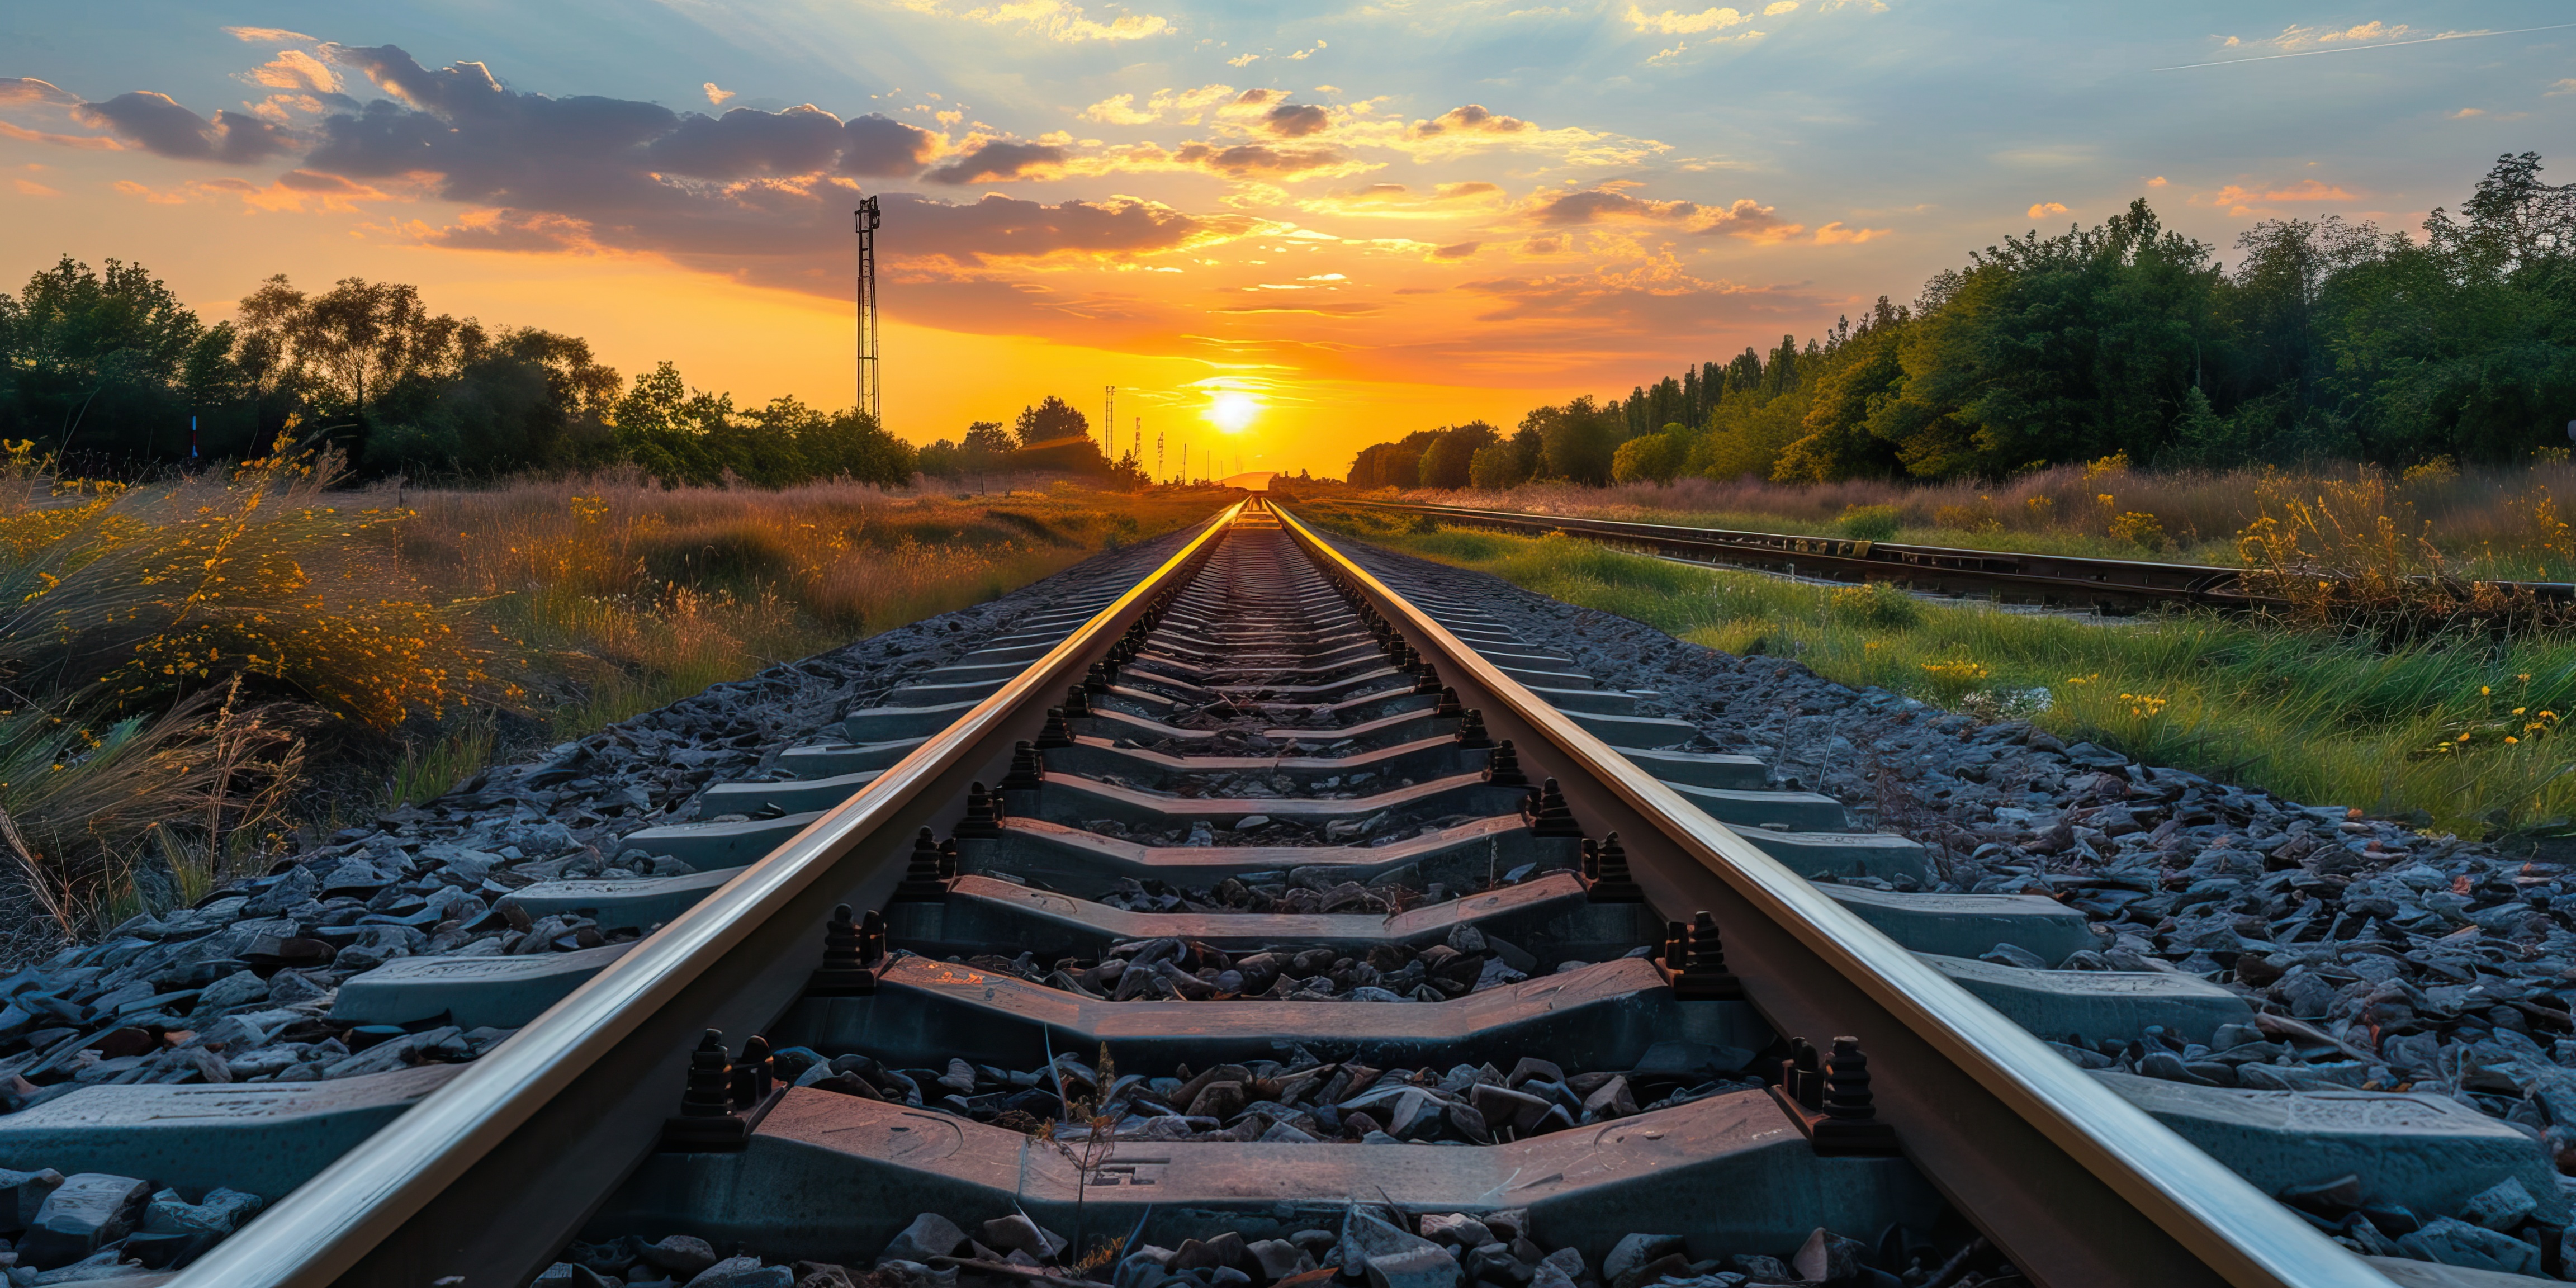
1052, 419
1447, 462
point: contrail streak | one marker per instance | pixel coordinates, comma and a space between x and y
2354, 49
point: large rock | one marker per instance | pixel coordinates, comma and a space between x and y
1425, 1267
85, 1211
929, 1235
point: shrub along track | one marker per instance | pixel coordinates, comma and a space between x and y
1405, 941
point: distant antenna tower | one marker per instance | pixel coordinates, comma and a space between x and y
1109, 419
871, 386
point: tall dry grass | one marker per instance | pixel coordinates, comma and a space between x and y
628, 595
169, 652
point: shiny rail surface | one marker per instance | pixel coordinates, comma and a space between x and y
2070, 581
487, 1177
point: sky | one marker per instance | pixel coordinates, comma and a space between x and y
1281, 232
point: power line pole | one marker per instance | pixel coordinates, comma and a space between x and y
1109, 420
1158, 452
871, 386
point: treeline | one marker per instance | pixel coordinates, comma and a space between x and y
2327, 340
108, 371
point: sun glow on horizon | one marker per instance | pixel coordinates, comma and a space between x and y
1233, 411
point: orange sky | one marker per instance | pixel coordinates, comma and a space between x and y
1367, 221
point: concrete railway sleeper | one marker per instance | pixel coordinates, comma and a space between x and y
1259, 925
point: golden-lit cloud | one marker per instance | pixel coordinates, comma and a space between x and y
1054, 19
268, 36
1397, 201
715, 97
2043, 209
31, 188
1607, 205
1834, 234
2567, 86
86, 142
294, 69
2241, 199
17, 91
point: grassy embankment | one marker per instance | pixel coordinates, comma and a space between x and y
2464, 730
194, 674
2503, 523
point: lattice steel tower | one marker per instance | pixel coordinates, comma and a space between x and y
871, 385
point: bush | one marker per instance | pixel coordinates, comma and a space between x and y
2140, 530
1875, 604
1868, 522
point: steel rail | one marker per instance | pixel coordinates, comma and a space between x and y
2077, 1185
2073, 576
596, 1072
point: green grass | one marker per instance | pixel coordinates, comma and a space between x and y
2315, 718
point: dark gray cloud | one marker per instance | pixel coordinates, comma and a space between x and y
492, 144
997, 160
1260, 158
1589, 207
1296, 120
157, 123
1007, 227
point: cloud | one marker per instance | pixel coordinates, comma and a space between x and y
1655, 299
1672, 23
999, 227
1185, 107
158, 124
1834, 234
1296, 120
268, 36
85, 142
1396, 201
1459, 250
1471, 128
294, 69
489, 144
27, 90
715, 97
1470, 119
2243, 200
1053, 19
998, 160
1245, 160
746, 142
2157, 182
1746, 218
31, 188
2467, 112
2567, 86
2043, 209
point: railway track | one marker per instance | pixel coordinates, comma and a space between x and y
2061, 581
1276, 924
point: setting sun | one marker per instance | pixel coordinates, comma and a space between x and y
1232, 411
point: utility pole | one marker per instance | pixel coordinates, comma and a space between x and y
871, 388
1109, 420
1158, 456
1140, 442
